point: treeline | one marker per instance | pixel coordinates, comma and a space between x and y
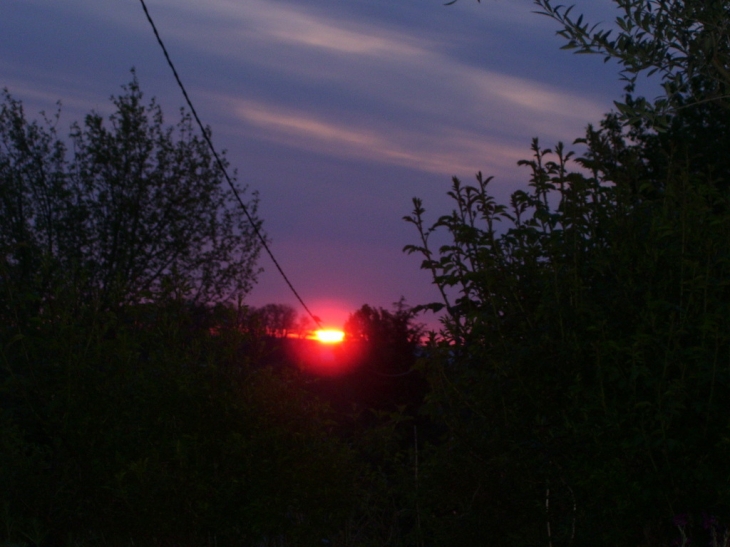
577, 393
149, 429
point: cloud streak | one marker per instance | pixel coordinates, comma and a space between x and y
369, 69
446, 152
273, 22
375, 72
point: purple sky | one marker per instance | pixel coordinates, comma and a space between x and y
337, 111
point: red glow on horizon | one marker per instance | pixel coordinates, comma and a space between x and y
331, 311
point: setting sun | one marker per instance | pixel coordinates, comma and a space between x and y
329, 336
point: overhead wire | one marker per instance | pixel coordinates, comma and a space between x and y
222, 167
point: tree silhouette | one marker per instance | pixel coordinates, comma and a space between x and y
277, 320
579, 376
138, 211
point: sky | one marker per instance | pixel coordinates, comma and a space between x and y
338, 112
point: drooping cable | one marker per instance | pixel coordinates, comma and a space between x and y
255, 227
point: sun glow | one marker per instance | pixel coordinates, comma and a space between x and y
329, 336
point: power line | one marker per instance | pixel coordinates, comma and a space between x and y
223, 168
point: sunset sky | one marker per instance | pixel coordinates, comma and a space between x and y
337, 111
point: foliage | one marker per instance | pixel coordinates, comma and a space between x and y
387, 345
149, 429
582, 372
137, 211
686, 42
386, 389
277, 320
584, 362
389, 335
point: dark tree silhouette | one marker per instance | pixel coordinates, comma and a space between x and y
277, 320
136, 211
579, 375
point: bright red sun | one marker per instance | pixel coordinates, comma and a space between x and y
329, 336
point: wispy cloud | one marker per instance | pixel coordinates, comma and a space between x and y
229, 28
290, 25
446, 151
359, 88
393, 68
385, 65
525, 99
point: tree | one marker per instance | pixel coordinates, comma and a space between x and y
686, 42
385, 344
582, 373
138, 210
390, 338
581, 363
162, 430
278, 320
